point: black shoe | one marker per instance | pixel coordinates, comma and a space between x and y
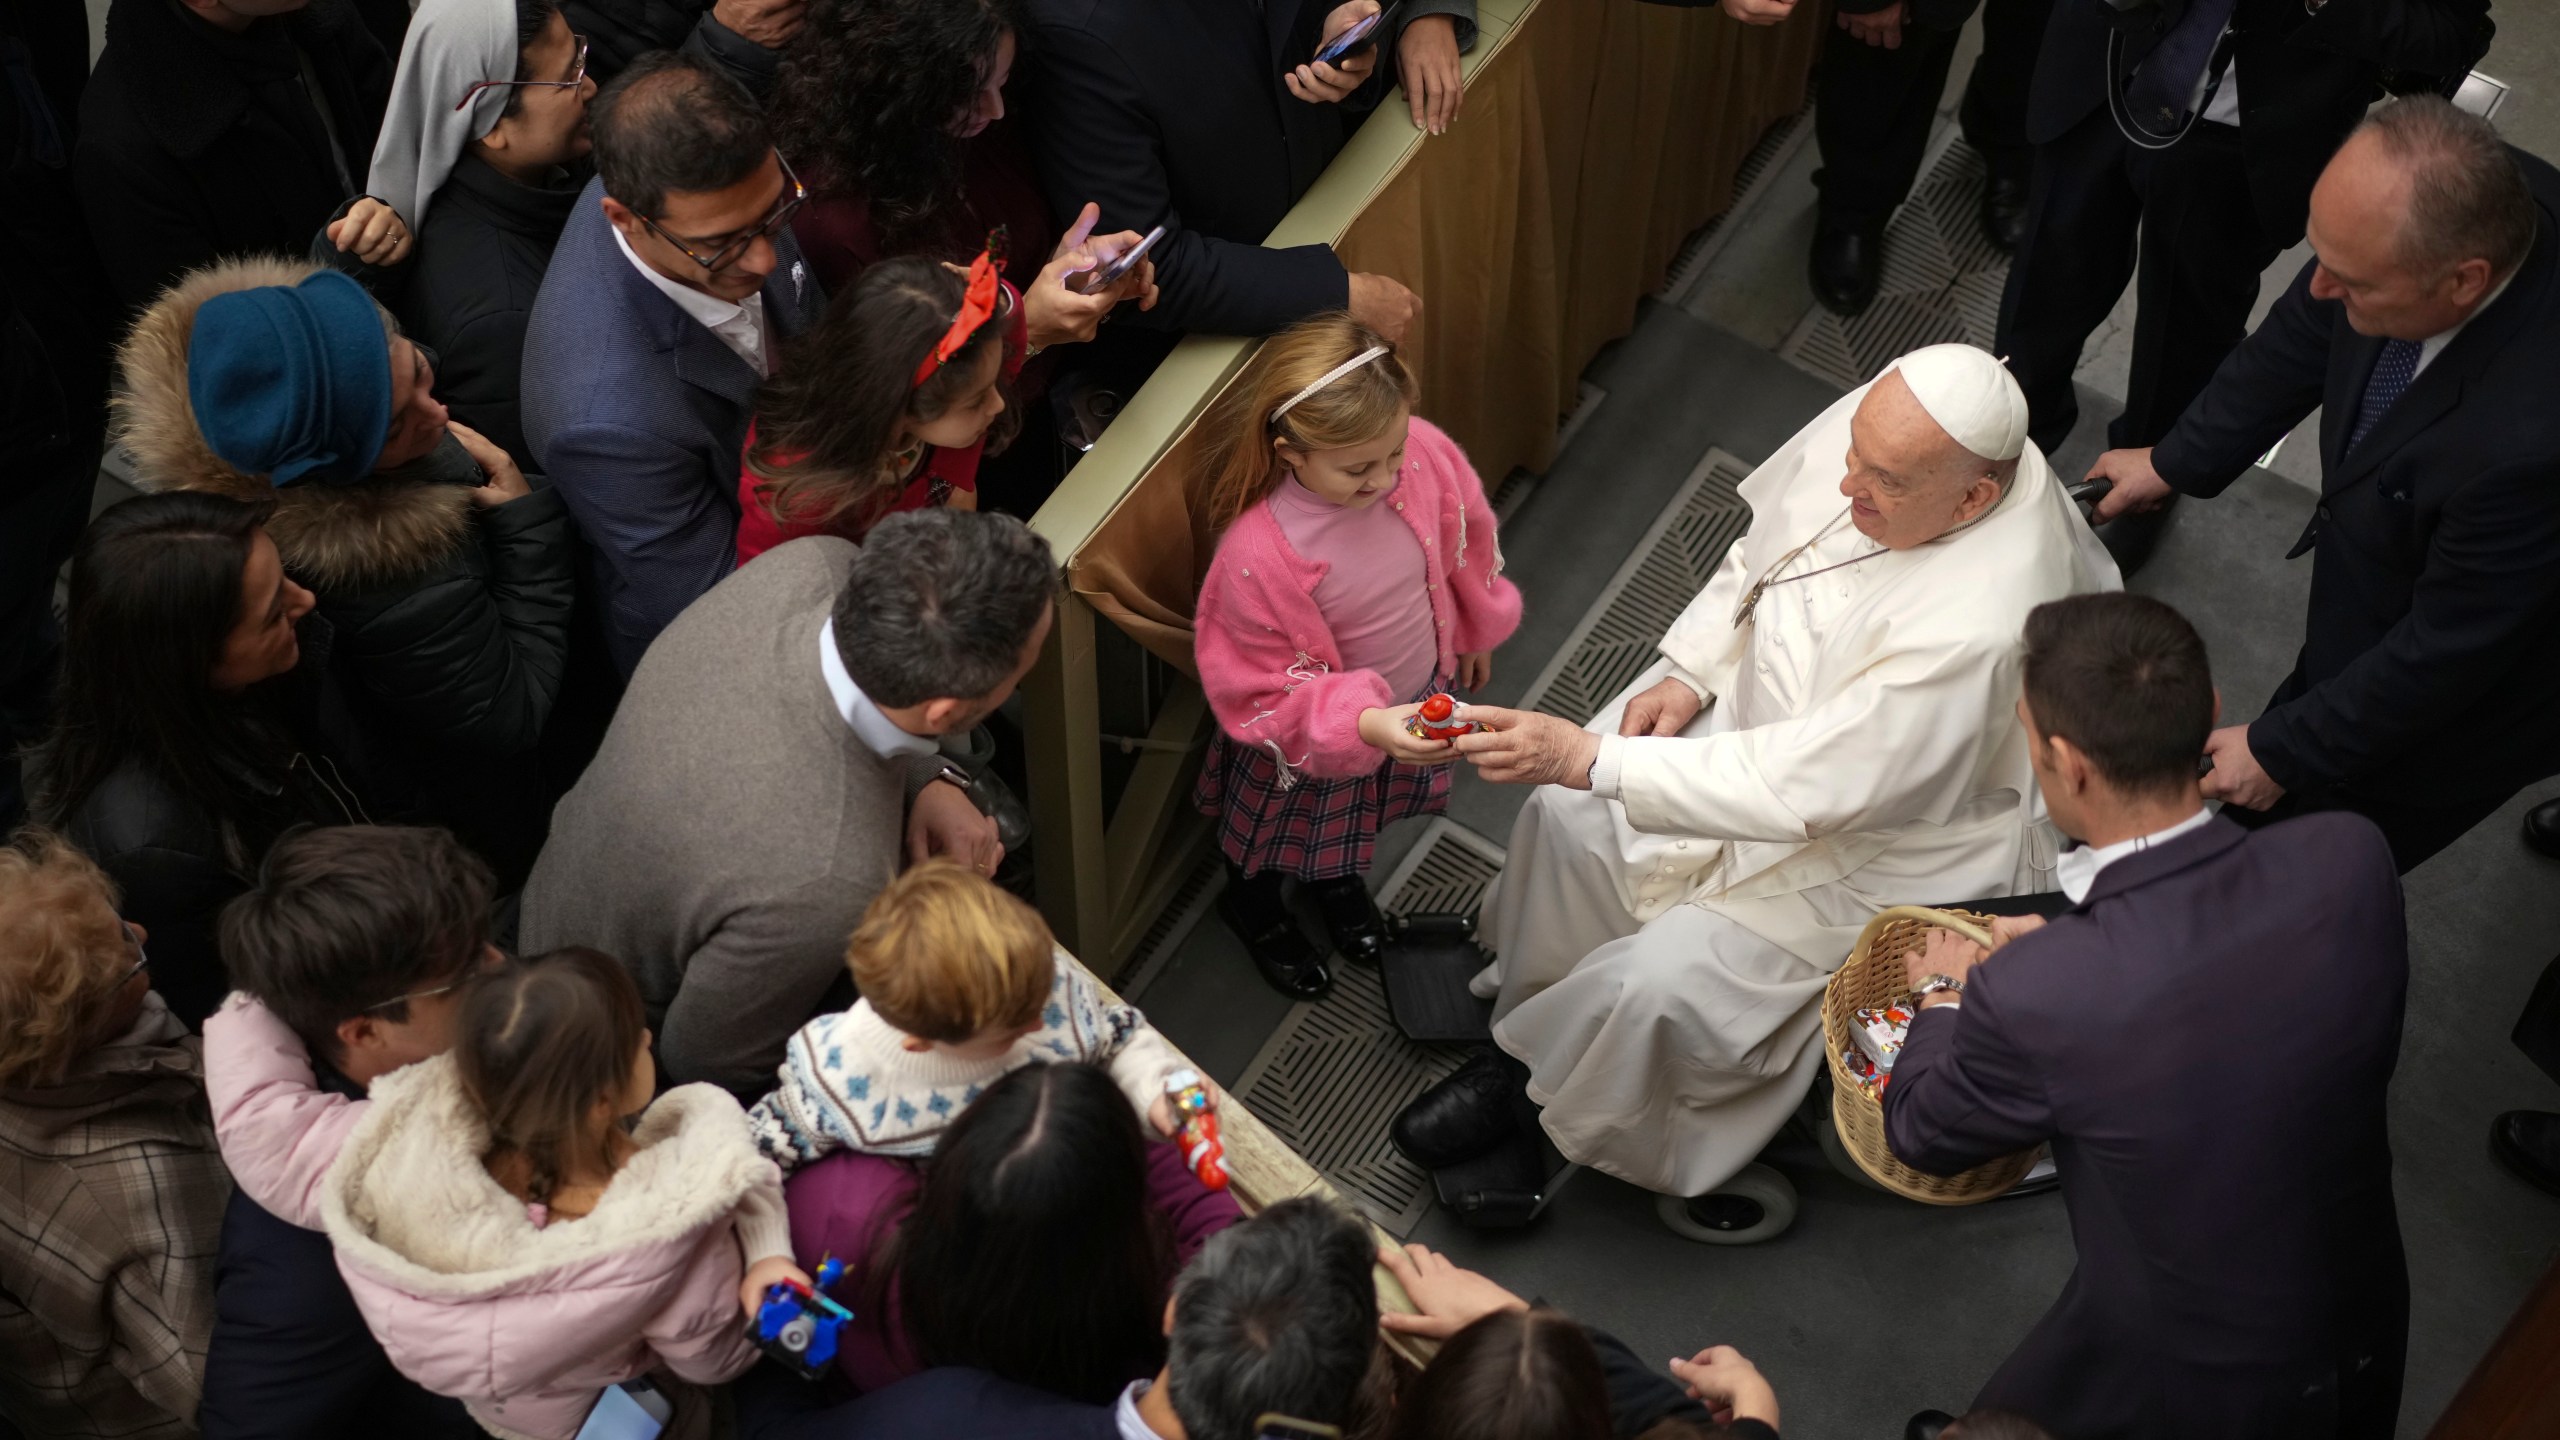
1474, 1109
2132, 538
1926, 1425
1351, 917
1846, 268
2004, 212
2527, 1142
1254, 909
2542, 829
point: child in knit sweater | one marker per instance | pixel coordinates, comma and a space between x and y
961, 984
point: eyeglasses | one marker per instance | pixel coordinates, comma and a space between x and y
577, 77
141, 960
793, 196
489, 960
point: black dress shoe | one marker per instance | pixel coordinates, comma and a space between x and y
1255, 910
1927, 1425
1846, 268
2542, 829
2004, 210
1351, 918
1474, 1109
2527, 1142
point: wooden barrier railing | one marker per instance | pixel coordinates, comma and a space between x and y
1597, 135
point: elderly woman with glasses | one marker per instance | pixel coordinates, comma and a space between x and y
484, 149
115, 1198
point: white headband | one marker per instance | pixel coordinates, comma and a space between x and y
1336, 373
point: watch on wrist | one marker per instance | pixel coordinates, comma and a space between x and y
1937, 985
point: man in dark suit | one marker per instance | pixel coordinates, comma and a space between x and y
2209, 156
2426, 332
674, 285
2206, 1040
1207, 117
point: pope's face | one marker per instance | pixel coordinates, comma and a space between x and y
1907, 483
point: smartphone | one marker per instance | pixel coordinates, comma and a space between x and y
1356, 39
1105, 276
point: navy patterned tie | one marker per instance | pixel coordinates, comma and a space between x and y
2392, 372
2167, 79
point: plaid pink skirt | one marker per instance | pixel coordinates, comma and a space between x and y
1316, 829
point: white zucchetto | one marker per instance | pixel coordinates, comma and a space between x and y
1971, 395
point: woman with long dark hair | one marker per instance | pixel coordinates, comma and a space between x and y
895, 109
184, 739
1039, 1243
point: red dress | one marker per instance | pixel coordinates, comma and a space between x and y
940, 474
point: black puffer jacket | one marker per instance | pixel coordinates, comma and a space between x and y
451, 621
196, 143
479, 263
621, 31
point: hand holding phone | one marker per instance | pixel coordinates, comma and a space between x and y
1353, 40
1343, 62
1103, 277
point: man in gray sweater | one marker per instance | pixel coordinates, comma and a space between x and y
776, 742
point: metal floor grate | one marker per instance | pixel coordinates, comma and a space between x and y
1668, 567
1942, 281
1760, 168
1190, 902
1335, 1073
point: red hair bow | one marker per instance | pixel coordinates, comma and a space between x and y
977, 304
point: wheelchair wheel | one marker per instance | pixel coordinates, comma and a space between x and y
1757, 1204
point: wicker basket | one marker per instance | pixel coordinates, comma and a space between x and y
1871, 976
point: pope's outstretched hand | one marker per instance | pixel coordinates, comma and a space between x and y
1524, 747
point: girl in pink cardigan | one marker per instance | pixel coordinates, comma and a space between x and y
1358, 573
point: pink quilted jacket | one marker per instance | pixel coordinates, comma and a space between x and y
1268, 661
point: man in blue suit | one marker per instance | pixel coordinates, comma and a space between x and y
674, 286
2206, 1039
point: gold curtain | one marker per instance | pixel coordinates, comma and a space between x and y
1596, 139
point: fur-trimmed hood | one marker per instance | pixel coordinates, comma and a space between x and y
336, 537
526, 1325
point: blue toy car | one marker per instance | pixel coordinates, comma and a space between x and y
797, 1325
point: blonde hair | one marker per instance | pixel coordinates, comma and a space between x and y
1237, 466
63, 957
943, 954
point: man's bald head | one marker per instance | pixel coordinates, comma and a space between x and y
2417, 219
1908, 480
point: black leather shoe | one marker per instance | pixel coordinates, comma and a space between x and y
1280, 950
1846, 268
1474, 1109
2527, 1142
1352, 918
2004, 210
2542, 829
1927, 1425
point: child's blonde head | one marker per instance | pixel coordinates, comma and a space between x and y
1238, 463
943, 954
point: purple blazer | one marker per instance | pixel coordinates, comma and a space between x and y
846, 1204
2207, 1040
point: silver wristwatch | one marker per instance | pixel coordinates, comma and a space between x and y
1933, 984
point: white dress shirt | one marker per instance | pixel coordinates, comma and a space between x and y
876, 731
739, 326
2078, 869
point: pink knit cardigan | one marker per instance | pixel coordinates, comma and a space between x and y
1274, 674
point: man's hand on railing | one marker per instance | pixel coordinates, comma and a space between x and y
1427, 63
1332, 83
1758, 12
1383, 305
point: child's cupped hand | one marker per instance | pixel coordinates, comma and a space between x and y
1382, 728
1167, 1121
1475, 670
770, 1271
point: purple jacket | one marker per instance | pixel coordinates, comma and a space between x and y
846, 1204
2207, 1040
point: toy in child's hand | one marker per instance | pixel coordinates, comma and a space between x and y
1436, 719
1202, 1150
797, 1325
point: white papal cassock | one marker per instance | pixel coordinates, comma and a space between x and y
1663, 938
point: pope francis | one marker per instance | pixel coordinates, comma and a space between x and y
1830, 730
